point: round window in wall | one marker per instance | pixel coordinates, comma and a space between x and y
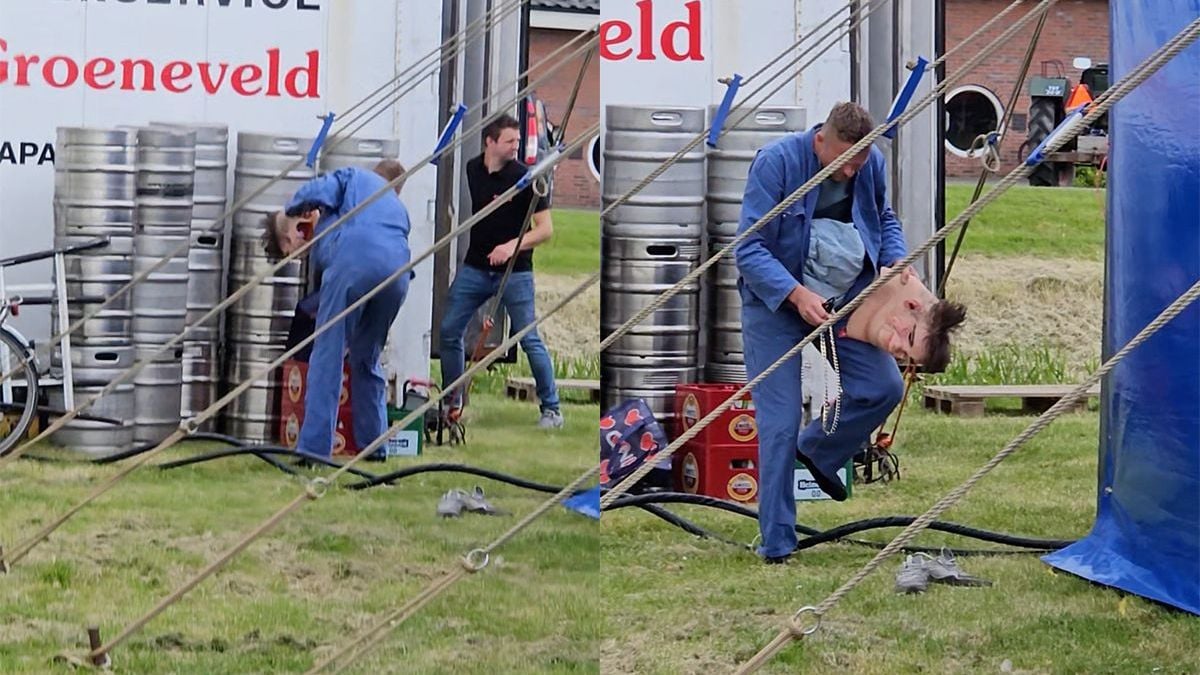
593, 157
970, 110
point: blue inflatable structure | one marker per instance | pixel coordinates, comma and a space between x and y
1146, 539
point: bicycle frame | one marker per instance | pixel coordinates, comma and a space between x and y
59, 300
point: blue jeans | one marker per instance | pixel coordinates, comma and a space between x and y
472, 288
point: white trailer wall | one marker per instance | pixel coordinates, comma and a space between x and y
351, 47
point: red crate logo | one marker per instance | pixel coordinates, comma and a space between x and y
691, 411
743, 428
691, 473
295, 383
291, 431
742, 487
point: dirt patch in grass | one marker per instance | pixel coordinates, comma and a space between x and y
1031, 301
574, 332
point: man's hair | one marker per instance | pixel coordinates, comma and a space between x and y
391, 169
270, 238
945, 317
849, 122
493, 129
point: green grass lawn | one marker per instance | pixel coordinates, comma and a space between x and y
678, 604
1035, 222
329, 570
575, 247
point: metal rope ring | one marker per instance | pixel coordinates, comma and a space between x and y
541, 187
316, 488
189, 426
476, 560
799, 629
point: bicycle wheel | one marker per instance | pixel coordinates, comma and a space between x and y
16, 410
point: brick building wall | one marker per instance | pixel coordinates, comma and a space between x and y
1074, 28
575, 185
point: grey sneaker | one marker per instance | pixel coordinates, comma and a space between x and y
451, 504
550, 419
944, 570
475, 502
913, 576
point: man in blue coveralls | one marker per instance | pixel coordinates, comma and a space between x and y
352, 260
809, 261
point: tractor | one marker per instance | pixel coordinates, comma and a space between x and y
1050, 100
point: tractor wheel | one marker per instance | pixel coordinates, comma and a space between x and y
1042, 116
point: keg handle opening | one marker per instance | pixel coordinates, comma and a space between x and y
662, 250
107, 356
772, 118
666, 118
286, 144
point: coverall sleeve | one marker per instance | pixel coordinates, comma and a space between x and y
325, 192
762, 272
893, 247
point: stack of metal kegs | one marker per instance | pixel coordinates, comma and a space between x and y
202, 352
650, 242
166, 175
257, 326
728, 165
94, 196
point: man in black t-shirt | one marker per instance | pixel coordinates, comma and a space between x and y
493, 243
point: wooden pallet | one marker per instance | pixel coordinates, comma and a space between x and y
525, 388
968, 400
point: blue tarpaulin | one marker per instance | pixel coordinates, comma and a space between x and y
1146, 539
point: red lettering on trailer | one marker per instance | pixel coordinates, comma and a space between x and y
615, 33
176, 77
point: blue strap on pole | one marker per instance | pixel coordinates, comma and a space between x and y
311, 160
906, 94
525, 180
1039, 153
448, 132
731, 90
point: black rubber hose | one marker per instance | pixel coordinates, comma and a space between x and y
457, 468
261, 451
688, 526
843, 531
147, 447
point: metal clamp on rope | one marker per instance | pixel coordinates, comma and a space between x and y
448, 132
905, 96
718, 122
191, 425
476, 560
797, 625
1039, 153
316, 488
988, 147
311, 159
539, 171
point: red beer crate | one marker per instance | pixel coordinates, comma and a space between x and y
735, 426
291, 409
724, 471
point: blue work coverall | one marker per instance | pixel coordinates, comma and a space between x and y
353, 259
770, 264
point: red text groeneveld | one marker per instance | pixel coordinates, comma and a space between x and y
269, 77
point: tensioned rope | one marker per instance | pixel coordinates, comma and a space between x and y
339, 137
193, 424
472, 562
234, 297
797, 628
816, 180
994, 146
493, 307
316, 488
